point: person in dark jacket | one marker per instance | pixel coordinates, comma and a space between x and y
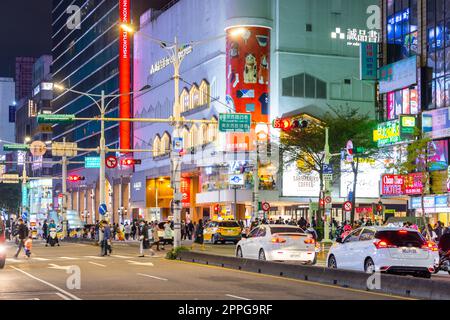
22, 232
199, 235
143, 238
45, 230
106, 239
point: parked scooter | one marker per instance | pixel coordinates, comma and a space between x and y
444, 254
53, 237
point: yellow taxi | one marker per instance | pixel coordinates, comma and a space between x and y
222, 231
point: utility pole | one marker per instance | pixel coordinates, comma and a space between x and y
64, 191
175, 156
327, 188
102, 151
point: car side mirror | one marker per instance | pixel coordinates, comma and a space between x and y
339, 240
244, 236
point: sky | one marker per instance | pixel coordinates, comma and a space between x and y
25, 29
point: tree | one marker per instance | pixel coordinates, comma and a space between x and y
417, 160
305, 146
348, 124
10, 197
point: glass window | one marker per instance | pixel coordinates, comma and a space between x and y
354, 236
288, 87
253, 233
367, 234
310, 86
321, 89
299, 85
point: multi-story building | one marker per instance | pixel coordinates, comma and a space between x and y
415, 81
91, 57
24, 76
291, 58
7, 110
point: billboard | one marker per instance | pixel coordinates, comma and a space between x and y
436, 123
400, 185
398, 75
438, 155
298, 184
368, 61
369, 177
248, 76
125, 76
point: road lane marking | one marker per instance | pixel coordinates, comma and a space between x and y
68, 258
120, 257
95, 257
55, 266
236, 297
48, 284
295, 280
147, 264
153, 277
40, 259
97, 264
62, 296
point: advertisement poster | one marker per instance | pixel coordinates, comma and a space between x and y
186, 191
438, 155
436, 123
369, 176
248, 76
297, 184
125, 76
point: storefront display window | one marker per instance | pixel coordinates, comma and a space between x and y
402, 102
402, 28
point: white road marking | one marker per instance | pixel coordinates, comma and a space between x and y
34, 299
40, 259
148, 264
68, 258
62, 296
153, 277
97, 264
120, 257
55, 266
236, 297
95, 257
48, 284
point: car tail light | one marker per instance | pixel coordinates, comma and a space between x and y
430, 245
431, 269
310, 241
403, 231
384, 268
278, 240
383, 244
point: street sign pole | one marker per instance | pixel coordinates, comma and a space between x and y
327, 185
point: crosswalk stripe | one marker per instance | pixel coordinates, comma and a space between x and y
68, 258
120, 257
95, 257
40, 259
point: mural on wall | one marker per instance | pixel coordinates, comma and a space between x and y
248, 77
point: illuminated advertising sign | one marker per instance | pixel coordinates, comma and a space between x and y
398, 75
369, 177
436, 123
125, 76
388, 133
399, 185
298, 184
407, 127
248, 76
186, 191
438, 155
368, 61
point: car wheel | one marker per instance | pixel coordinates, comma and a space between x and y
314, 262
239, 252
262, 255
369, 266
332, 262
2, 263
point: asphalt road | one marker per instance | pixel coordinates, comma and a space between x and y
124, 276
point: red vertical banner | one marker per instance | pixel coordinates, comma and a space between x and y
125, 76
248, 77
186, 191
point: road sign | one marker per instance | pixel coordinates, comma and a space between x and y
266, 206
177, 144
235, 122
328, 199
24, 215
16, 147
236, 179
55, 118
92, 162
10, 178
66, 149
38, 148
348, 206
327, 169
328, 177
111, 162
103, 209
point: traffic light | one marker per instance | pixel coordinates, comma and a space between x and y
287, 124
130, 162
322, 202
378, 209
217, 208
76, 178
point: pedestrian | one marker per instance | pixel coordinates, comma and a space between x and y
22, 233
127, 231
107, 250
191, 229
168, 234
431, 232
143, 238
183, 230
439, 230
199, 235
302, 223
155, 237
28, 246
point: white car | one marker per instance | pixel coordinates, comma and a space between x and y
278, 243
385, 249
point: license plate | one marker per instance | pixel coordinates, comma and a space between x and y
295, 256
409, 251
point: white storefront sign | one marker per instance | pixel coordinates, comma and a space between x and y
297, 184
369, 178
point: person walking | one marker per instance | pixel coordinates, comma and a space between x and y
22, 233
155, 237
190, 230
28, 246
143, 239
127, 231
168, 234
107, 250
183, 230
199, 236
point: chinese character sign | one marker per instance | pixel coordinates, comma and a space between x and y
368, 61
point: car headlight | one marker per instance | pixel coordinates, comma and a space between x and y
2, 249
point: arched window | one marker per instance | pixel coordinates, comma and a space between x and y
156, 146
205, 93
165, 144
186, 139
195, 97
193, 139
212, 130
184, 100
203, 134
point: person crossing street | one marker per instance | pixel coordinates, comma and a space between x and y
22, 233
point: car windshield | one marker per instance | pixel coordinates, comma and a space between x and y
401, 238
228, 224
275, 230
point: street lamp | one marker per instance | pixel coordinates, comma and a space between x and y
103, 106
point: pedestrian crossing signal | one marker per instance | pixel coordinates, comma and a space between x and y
75, 178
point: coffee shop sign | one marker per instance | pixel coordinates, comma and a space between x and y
163, 63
